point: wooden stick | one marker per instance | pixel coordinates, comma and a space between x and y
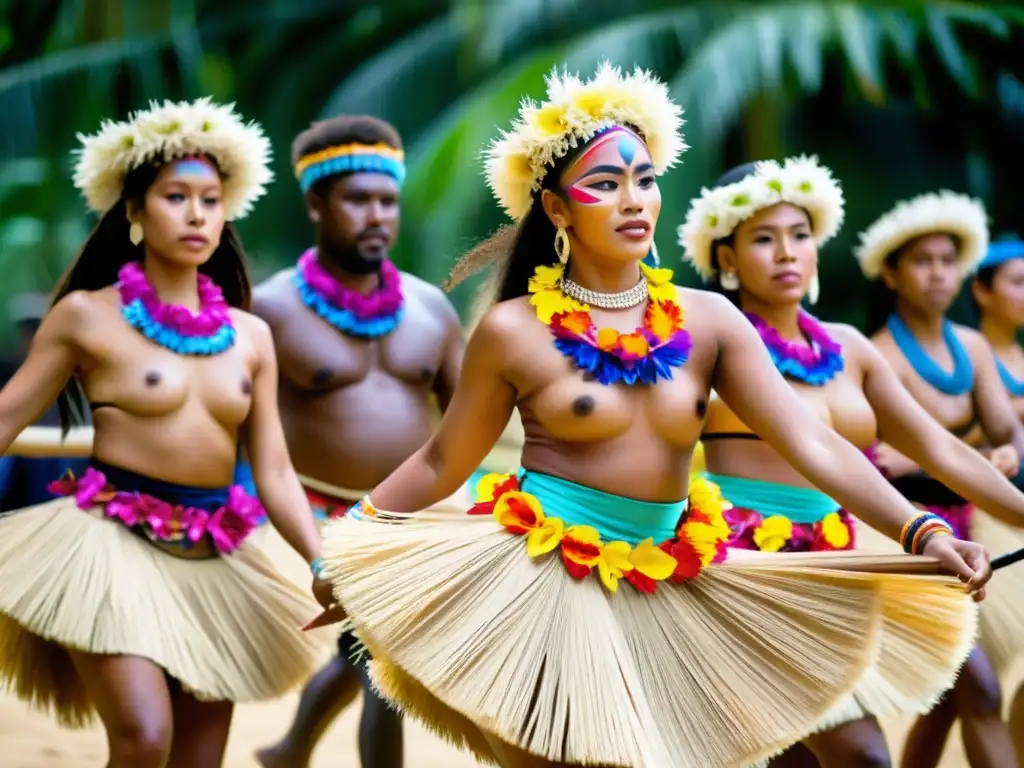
46, 442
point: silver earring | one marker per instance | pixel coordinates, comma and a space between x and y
813, 290
562, 245
135, 233
729, 281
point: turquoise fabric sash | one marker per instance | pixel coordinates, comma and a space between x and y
617, 518
801, 505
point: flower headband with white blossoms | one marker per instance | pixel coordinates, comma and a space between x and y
931, 213
801, 181
576, 111
169, 132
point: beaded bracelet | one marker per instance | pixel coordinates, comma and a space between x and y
318, 567
909, 539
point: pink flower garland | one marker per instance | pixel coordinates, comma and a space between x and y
213, 315
385, 301
227, 527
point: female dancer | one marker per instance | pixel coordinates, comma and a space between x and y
530, 657
918, 254
998, 291
762, 249
135, 592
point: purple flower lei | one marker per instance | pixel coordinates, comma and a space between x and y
351, 312
177, 328
816, 364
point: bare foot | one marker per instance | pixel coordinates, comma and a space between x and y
279, 756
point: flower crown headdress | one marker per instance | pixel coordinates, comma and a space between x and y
172, 131
945, 211
802, 181
574, 112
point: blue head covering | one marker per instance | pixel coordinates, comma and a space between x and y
1006, 248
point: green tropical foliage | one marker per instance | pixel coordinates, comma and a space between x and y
897, 97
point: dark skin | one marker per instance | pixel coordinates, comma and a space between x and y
926, 279
633, 441
174, 418
354, 410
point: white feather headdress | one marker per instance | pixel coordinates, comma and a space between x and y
574, 112
801, 181
931, 213
175, 130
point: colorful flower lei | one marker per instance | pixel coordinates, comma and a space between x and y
699, 541
816, 364
777, 533
227, 527
352, 313
177, 328
646, 355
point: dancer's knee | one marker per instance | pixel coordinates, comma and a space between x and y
977, 691
142, 740
859, 744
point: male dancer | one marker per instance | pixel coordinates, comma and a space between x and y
361, 349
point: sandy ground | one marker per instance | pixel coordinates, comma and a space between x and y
31, 740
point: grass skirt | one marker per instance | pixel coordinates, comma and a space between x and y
1002, 612
469, 634
227, 628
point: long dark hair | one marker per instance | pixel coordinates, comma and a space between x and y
108, 248
534, 244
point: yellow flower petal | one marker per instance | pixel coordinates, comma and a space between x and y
773, 533
487, 484
705, 539
546, 538
651, 561
613, 563
835, 531
582, 545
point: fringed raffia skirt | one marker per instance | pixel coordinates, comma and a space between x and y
547, 618
776, 518
1002, 613
227, 628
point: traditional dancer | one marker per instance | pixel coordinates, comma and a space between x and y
363, 348
135, 593
998, 291
578, 617
757, 235
918, 254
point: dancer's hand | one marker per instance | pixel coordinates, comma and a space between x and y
965, 559
323, 592
1005, 459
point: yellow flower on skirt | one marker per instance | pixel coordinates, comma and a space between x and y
835, 531
773, 533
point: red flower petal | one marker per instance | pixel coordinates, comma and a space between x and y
688, 563
576, 570
640, 582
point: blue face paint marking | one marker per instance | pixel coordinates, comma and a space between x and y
196, 167
627, 148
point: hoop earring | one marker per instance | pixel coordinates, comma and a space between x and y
135, 233
729, 281
562, 245
813, 290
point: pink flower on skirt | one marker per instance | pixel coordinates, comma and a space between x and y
234, 521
